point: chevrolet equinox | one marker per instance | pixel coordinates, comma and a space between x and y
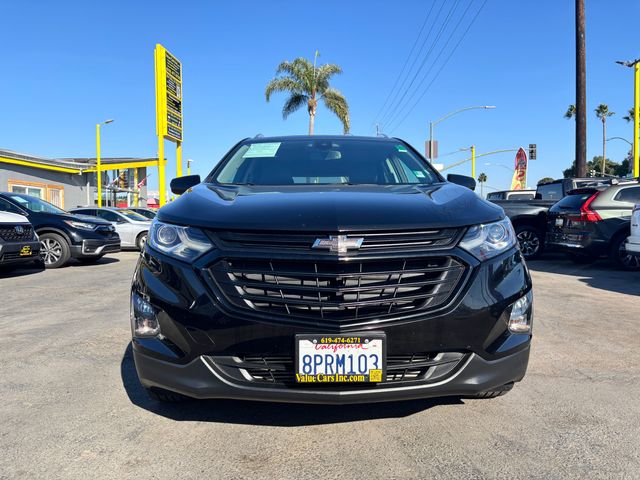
329, 269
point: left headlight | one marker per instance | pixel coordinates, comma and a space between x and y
82, 225
184, 243
488, 240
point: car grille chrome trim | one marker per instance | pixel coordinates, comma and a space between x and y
339, 290
443, 238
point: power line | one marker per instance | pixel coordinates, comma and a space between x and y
444, 25
444, 64
413, 63
424, 23
432, 65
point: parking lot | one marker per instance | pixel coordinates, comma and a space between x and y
72, 406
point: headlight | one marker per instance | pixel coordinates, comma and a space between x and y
82, 225
487, 241
185, 243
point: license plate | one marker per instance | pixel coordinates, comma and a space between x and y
559, 222
26, 251
340, 359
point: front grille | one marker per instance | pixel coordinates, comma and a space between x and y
16, 233
429, 367
372, 242
338, 290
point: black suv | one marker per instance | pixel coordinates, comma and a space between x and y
62, 234
331, 270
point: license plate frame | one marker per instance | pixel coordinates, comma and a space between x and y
345, 344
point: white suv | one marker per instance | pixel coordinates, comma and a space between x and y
633, 242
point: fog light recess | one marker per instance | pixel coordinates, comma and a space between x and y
520, 317
144, 322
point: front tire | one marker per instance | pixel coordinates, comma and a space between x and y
141, 240
54, 250
531, 241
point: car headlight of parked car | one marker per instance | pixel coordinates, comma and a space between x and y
184, 243
488, 240
81, 225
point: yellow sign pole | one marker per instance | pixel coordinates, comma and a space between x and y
178, 159
98, 165
473, 162
162, 195
636, 120
136, 189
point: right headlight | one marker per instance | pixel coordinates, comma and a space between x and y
184, 243
488, 240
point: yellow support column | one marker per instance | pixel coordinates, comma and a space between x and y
473, 161
636, 120
162, 187
98, 166
178, 159
136, 190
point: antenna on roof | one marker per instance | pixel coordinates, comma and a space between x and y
259, 135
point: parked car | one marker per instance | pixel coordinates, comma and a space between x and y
132, 227
329, 269
595, 221
529, 217
149, 213
512, 195
19, 242
63, 235
633, 242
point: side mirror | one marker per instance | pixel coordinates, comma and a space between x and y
462, 180
182, 184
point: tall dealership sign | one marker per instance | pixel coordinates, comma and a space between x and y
519, 181
168, 112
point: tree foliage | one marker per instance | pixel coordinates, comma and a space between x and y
595, 165
306, 84
544, 180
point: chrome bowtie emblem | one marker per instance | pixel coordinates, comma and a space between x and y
19, 229
338, 243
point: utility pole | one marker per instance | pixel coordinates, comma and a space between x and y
581, 91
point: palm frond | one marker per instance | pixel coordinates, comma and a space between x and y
571, 112
293, 103
335, 101
283, 84
630, 115
323, 73
300, 69
603, 112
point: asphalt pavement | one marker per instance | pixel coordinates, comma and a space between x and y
71, 406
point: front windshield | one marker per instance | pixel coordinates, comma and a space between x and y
34, 204
325, 161
131, 215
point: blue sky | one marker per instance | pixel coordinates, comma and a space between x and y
68, 65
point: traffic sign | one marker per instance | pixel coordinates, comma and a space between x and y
532, 151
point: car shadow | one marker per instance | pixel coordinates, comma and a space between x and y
600, 274
20, 270
97, 263
266, 413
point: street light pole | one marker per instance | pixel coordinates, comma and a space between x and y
620, 138
99, 161
635, 64
451, 114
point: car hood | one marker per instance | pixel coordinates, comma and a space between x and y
8, 217
329, 208
78, 217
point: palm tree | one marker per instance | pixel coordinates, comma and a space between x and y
571, 112
306, 84
482, 178
629, 116
602, 112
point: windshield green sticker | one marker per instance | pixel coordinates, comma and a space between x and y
418, 173
262, 150
401, 148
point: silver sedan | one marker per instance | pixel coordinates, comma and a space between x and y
131, 226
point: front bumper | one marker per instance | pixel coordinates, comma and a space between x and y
202, 378
95, 247
198, 330
10, 253
633, 245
